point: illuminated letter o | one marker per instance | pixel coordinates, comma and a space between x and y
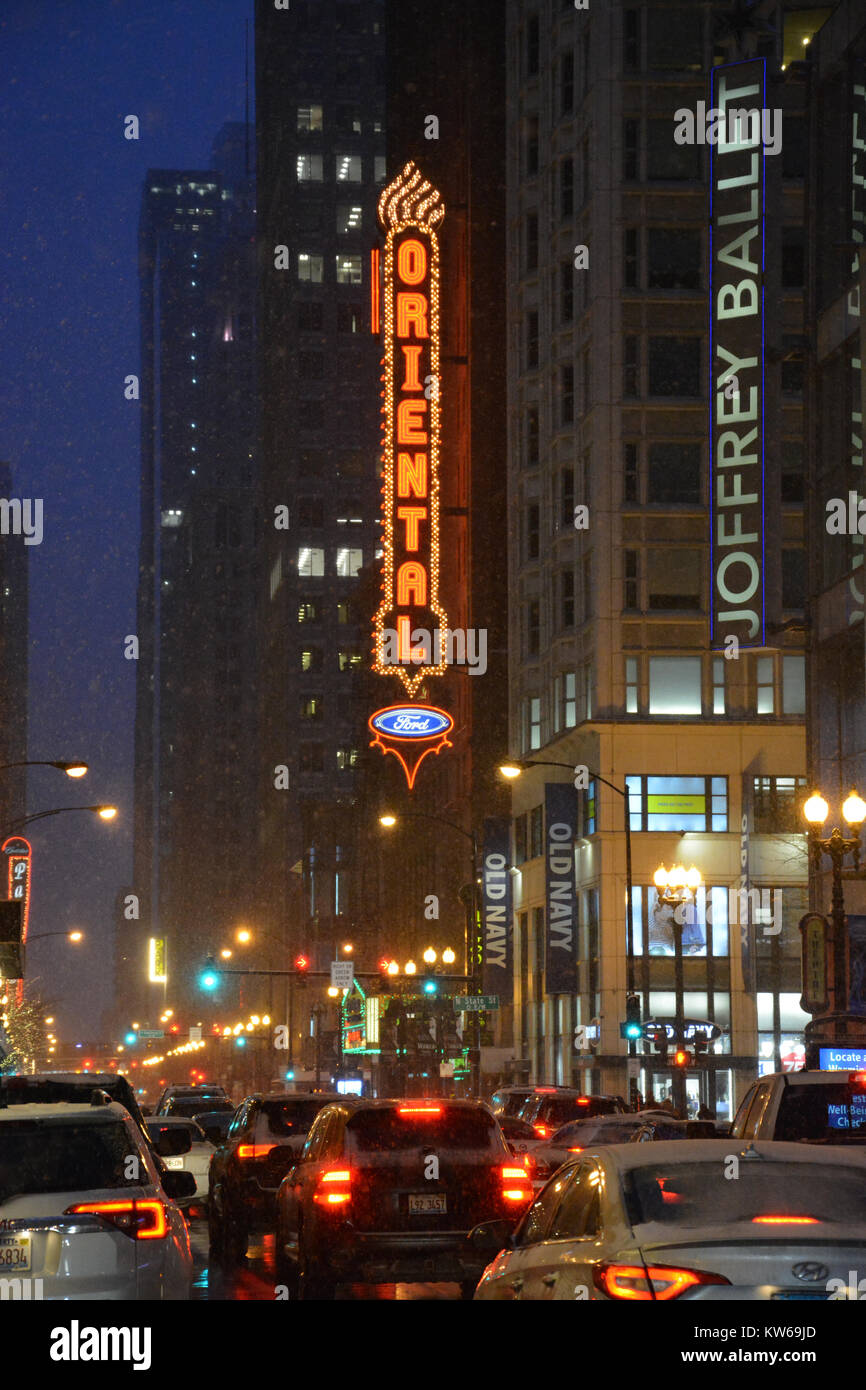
742, 558
411, 261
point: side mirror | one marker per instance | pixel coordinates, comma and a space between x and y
173, 1141
490, 1237
177, 1184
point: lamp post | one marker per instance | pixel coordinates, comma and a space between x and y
514, 769
837, 846
104, 813
678, 888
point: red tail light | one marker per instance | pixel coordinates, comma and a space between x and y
541, 1130
140, 1220
655, 1283
578, 1149
426, 1110
582, 1100
516, 1186
335, 1187
254, 1150
785, 1220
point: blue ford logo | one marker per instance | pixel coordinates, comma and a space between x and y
412, 721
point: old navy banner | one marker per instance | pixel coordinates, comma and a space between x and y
559, 833
496, 910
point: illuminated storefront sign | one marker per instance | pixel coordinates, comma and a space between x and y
737, 251
18, 855
560, 829
410, 732
156, 971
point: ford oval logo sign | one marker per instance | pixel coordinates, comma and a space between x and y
412, 721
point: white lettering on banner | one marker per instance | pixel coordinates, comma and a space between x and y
495, 913
560, 895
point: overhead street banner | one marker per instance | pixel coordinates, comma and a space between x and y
736, 387
496, 910
560, 805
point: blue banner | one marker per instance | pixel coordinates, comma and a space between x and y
560, 830
497, 911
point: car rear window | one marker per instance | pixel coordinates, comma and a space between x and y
284, 1119
155, 1129
62, 1156
834, 1112
584, 1134
446, 1126
695, 1194
564, 1108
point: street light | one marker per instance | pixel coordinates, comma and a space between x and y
105, 812
677, 887
837, 846
73, 769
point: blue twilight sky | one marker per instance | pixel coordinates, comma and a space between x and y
70, 188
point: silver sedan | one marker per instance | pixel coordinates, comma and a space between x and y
708, 1219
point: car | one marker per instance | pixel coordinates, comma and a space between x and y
215, 1124
577, 1135
815, 1107
59, 1086
657, 1128
510, 1100
520, 1137
187, 1107
387, 1191
666, 1221
264, 1138
195, 1160
546, 1112
84, 1211
206, 1092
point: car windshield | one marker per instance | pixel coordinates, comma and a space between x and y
286, 1118
833, 1113
62, 1156
696, 1194
419, 1123
585, 1132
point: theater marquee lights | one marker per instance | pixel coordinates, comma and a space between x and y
737, 183
410, 625
18, 859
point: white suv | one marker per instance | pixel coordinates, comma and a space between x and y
818, 1107
84, 1212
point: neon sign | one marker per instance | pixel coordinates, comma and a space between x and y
737, 252
18, 852
410, 732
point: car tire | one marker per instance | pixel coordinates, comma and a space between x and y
313, 1286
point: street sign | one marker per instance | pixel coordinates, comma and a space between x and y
195, 1032
151, 1033
813, 932
342, 974
466, 1003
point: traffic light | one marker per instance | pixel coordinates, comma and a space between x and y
431, 985
209, 977
681, 1058
302, 965
632, 1028
131, 1039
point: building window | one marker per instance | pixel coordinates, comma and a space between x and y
794, 580
566, 498
349, 168
532, 446
309, 119
519, 840
348, 269
532, 45
309, 168
666, 161
379, 169
776, 805
311, 316
673, 259
793, 375
675, 367
631, 685
533, 729
793, 471
630, 581
566, 394
585, 172
349, 562
794, 147
678, 803
630, 258
765, 693
311, 563
674, 579
312, 659
311, 512
531, 146
531, 241
347, 758
566, 598
631, 149
533, 627
566, 292
675, 685
536, 832
312, 757
674, 474
569, 707
276, 575
793, 685
533, 531
349, 659
566, 84
532, 339
311, 707
630, 367
349, 218
630, 473
718, 685
311, 268
343, 614
674, 41
704, 931
585, 382
587, 691
631, 41
793, 258
566, 188
557, 704
309, 613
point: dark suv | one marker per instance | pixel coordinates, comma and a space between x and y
546, 1113
262, 1143
387, 1191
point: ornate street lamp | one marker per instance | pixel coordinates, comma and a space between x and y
837, 846
678, 887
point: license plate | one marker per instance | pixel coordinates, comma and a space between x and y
794, 1295
422, 1206
174, 1162
15, 1252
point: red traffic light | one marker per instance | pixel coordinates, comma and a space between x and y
302, 962
682, 1058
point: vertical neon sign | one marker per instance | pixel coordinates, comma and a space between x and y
18, 856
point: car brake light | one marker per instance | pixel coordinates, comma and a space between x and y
578, 1149
511, 1191
545, 1091
254, 1150
140, 1220
419, 1110
785, 1220
656, 1283
541, 1130
582, 1100
336, 1183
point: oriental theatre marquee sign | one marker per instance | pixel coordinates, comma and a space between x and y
410, 627
737, 183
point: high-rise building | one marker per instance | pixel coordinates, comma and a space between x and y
196, 712
647, 659
320, 101
13, 657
